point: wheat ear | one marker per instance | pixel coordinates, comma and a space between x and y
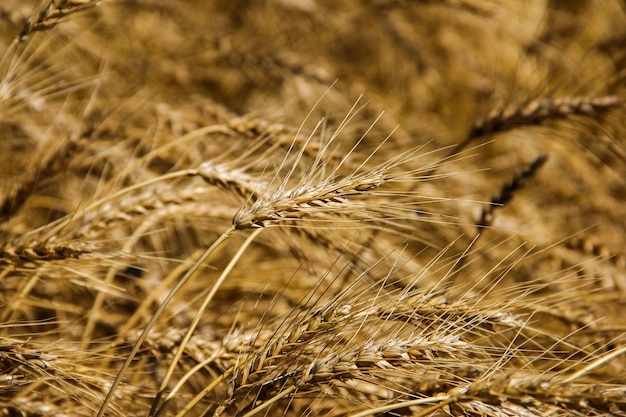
36, 252
537, 112
292, 204
509, 189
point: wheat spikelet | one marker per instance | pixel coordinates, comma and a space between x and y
227, 178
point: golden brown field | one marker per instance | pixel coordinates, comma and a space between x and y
313, 208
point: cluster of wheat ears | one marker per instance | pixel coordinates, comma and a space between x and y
312, 208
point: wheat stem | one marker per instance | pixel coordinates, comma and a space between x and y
598, 362
174, 273
440, 402
92, 318
157, 314
205, 391
271, 401
200, 311
182, 381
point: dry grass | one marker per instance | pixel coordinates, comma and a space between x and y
312, 208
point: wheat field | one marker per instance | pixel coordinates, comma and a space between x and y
312, 208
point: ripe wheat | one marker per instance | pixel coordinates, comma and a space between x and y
291, 208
